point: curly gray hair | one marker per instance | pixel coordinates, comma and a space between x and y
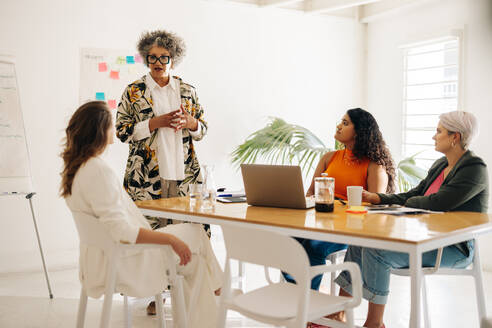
161, 38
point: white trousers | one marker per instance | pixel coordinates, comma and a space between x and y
205, 314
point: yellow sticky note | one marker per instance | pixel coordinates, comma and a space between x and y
356, 209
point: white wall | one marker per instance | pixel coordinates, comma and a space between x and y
247, 64
385, 65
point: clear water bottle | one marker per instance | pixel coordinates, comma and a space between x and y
209, 188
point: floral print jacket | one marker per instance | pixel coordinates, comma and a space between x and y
142, 180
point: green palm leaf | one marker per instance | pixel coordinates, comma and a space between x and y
409, 174
281, 143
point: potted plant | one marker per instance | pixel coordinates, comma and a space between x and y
283, 143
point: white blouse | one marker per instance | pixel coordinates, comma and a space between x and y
170, 154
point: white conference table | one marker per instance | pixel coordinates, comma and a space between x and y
412, 234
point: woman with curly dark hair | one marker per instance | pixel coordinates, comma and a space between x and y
365, 152
365, 161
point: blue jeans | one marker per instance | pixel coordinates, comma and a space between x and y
317, 252
376, 265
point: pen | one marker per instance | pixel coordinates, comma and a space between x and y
232, 195
341, 200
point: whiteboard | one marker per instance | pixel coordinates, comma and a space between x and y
15, 173
104, 75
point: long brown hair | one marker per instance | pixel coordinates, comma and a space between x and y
87, 136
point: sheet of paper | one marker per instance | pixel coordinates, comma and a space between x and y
401, 210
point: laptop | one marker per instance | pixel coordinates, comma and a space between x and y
275, 186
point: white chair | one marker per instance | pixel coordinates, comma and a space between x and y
333, 258
282, 304
93, 233
474, 270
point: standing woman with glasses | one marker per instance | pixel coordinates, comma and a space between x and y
160, 117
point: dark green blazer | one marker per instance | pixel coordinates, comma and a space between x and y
466, 188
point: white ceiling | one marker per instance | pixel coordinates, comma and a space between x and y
362, 10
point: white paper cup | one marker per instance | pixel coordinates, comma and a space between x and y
354, 195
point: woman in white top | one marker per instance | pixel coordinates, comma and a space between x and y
90, 187
160, 117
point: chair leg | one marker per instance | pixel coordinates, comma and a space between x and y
106, 311
161, 320
425, 306
333, 286
349, 313
82, 309
332, 258
127, 312
240, 274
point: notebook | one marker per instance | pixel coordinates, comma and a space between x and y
275, 186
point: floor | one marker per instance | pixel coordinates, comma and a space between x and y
24, 301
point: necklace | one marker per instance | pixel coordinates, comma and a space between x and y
349, 159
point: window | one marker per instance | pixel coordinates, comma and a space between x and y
432, 73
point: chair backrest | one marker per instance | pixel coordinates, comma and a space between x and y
92, 232
268, 249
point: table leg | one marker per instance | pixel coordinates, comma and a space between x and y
416, 286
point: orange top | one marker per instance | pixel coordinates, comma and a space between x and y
347, 171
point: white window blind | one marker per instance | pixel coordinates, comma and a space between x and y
431, 87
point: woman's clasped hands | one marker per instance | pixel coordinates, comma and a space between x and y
176, 120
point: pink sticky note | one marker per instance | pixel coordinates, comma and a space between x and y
103, 67
138, 58
114, 75
112, 103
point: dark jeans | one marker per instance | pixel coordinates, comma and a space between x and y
317, 252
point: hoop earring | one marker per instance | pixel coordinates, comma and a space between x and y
453, 144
